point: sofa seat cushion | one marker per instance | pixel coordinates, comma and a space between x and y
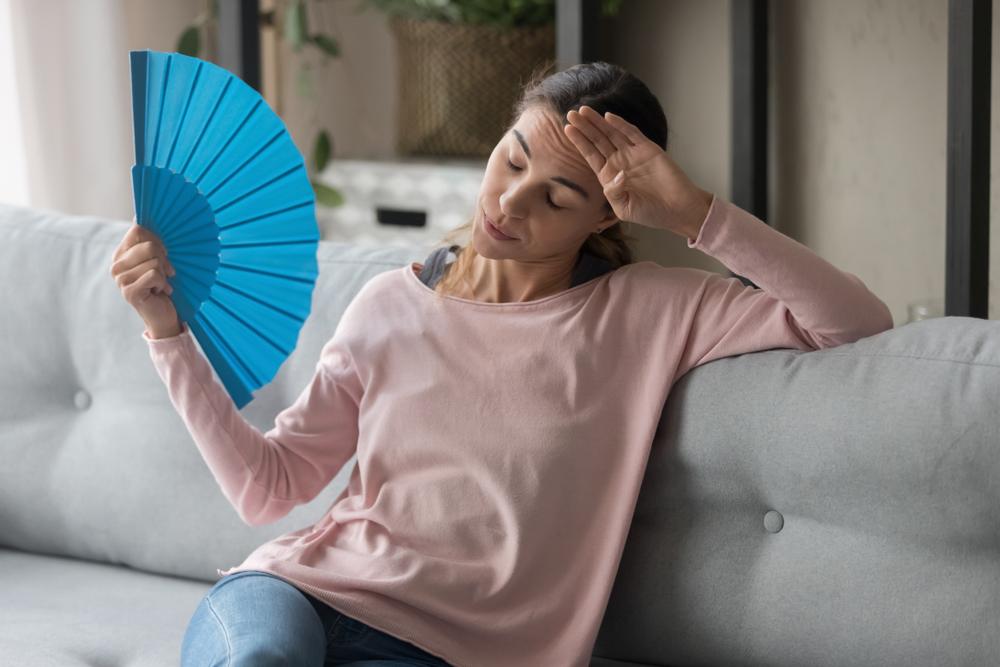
61, 612
64, 612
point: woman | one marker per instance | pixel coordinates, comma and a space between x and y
501, 407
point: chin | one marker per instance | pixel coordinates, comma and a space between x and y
484, 249
486, 246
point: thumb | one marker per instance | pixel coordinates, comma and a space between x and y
616, 188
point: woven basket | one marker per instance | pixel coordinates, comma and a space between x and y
459, 82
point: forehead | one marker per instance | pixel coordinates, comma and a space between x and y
540, 136
544, 129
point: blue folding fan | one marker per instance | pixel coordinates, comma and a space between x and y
219, 180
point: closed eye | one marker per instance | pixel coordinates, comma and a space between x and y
548, 199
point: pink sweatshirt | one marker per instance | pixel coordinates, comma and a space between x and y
500, 446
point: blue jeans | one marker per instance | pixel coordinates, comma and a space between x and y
257, 619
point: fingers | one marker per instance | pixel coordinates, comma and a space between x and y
627, 129
125, 278
138, 254
130, 238
149, 283
614, 135
136, 234
590, 153
605, 136
598, 139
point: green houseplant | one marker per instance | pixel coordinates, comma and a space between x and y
461, 64
290, 18
500, 12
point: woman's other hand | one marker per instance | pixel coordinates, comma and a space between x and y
641, 182
141, 269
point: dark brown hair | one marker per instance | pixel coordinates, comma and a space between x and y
603, 87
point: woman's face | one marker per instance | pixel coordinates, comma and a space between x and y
533, 169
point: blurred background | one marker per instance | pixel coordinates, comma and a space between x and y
857, 116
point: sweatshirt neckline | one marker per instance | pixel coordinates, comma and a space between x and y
412, 277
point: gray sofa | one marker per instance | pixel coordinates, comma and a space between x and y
829, 508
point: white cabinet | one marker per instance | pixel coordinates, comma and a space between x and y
399, 202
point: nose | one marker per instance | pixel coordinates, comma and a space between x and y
510, 204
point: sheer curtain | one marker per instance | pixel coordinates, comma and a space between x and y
13, 171
66, 108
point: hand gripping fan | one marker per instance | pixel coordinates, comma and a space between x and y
219, 180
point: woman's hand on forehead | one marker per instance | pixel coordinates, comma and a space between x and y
641, 182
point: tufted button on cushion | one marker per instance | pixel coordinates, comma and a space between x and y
82, 399
773, 521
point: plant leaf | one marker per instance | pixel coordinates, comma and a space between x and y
610, 7
326, 44
296, 25
499, 12
189, 42
304, 80
321, 150
326, 195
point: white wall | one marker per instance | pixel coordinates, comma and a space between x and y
858, 128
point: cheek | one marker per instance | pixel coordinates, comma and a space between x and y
497, 161
557, 228
494, 173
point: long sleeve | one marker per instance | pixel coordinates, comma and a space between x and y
803, 301
265, 475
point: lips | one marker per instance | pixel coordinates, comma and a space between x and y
491, 223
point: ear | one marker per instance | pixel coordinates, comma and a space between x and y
608, 220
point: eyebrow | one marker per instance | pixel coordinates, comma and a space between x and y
558, 179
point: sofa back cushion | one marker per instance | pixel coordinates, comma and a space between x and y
97, 464
825, 508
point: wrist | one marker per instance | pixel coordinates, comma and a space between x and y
165, 331
699, 212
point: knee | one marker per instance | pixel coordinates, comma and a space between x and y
256, 620
205, 643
